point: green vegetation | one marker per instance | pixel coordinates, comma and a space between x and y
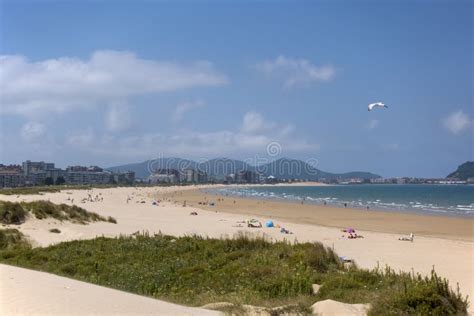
195, 271
11, 213
47, 189
464, 171
393, 293
417, 295
15, 212
40, 190
12, 239
31, 190
55, 230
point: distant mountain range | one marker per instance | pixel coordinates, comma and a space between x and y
464, 171
218, 168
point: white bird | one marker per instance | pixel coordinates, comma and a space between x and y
376, 105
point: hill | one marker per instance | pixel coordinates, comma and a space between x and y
218, 168
285, 168
145, 168
464, 171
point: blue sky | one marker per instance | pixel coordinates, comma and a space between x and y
112, 82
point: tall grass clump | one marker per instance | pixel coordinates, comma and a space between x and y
418, 295
31, 190
15, 213
11, 213
12, 239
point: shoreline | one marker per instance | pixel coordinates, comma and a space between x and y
338, 203
428, 225
349, 207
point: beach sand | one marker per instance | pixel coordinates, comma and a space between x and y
27, 292
331, 216
443, 242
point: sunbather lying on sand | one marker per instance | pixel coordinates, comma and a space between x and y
354, 236
283, 230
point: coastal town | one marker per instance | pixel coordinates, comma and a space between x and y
34, 173
31, 173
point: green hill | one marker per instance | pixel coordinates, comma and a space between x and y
464, 171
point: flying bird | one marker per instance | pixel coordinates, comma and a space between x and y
376, 105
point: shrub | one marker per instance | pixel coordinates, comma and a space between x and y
417, 295
61, 212
11, 239
11, 213
112, 220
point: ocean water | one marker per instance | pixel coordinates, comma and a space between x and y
455, 200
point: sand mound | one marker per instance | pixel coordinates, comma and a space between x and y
334, 308
27, 292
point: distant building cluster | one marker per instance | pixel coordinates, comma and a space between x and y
410, 180
32, 173
189, 175
173, 176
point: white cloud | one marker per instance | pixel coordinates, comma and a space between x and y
118, 118
32, 131
296, 71
373, 124
183, 108
457, 122
245, 140
254, 123
107, 76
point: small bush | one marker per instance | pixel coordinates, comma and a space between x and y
44, 209
55, 230
417, 295
11, 213
112, 220
12, 239
61, 212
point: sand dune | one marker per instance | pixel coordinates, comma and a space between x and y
27, 292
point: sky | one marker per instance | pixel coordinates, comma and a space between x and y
114, 82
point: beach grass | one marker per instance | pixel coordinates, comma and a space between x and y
12, 213
17, 212
195, 271
12, 239
41, 189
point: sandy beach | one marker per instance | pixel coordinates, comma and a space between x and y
27, 292
443, 242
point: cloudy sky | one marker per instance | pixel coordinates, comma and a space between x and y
110, 82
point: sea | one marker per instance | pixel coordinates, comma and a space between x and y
451, 200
